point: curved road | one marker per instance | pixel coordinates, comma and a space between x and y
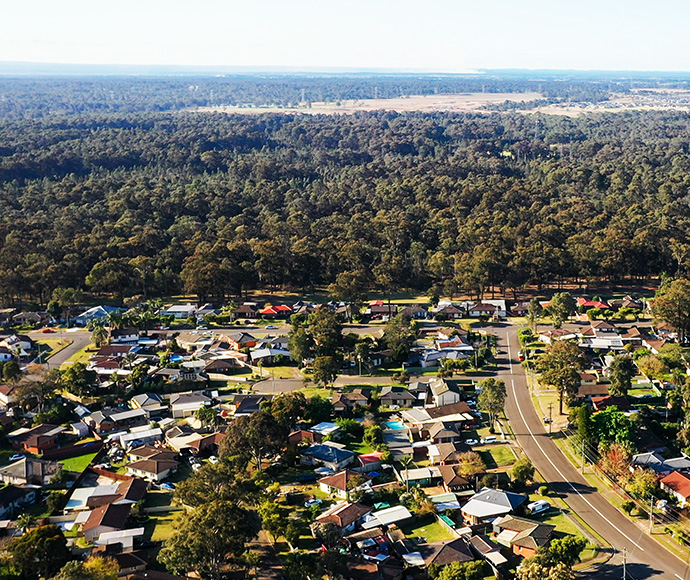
645, 557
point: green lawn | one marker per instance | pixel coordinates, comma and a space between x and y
427, 528
77, 464
160, 526
82, 355
359, 447
310, 392
502, 455
51, 346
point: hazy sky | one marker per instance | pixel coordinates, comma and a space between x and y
432, 35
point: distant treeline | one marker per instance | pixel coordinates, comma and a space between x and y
23, 97
218, 204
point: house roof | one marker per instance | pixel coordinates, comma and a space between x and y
491, 502
153, 465
12, 493
189, 398
339, 480
448, 451
447, 410
678, 482
396, 393
111, 516
29, 467
601, 403
451, 477
442, 430
443, 553
526, 533
145, 399
345, 513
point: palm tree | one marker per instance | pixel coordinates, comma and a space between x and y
114, 319
99, 334
406, 461
25, 521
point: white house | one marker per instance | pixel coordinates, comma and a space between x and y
180, 310
185, 405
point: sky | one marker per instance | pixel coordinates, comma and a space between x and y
406, 35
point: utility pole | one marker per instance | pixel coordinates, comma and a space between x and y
625, 561
550, 416
651, 514
583, 457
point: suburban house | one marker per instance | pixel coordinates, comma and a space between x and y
153, 468
246, 310
446, 453
240, 340
524, 537
443, 432
29, 471
219, 368
337, 484
268, 355
108, 518
452, 481
345, 402
414, 312
591, 387
95, 313
396, 397
652, 460
442, 392
179, 311
20, 344
450, 312
489, 503
345, 515
277, 311
601, 334
124, 336
601, 403
328, 456
446, 552
678, 485
185, 405
14, 499
395, 515
37, 439
489, 552
113, 419
149, 402
8, 394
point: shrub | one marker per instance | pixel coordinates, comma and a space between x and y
543, 490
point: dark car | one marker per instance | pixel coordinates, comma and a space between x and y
307, 478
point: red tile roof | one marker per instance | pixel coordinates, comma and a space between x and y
678, 482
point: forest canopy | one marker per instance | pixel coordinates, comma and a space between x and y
217, 204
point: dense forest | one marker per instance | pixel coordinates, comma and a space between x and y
39, 97
159, 202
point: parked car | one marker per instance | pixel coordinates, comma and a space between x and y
489, 440
271, 327
47, 331
538, 507
167, 486
547, 420
307, 478
311, 502
471, 442
213, 459
521, 356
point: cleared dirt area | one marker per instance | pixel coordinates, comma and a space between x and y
465, 102
636, 100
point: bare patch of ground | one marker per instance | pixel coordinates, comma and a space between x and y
466, 102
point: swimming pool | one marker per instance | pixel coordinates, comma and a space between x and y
394, 424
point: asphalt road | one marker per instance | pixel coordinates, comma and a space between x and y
79, 337
646, 558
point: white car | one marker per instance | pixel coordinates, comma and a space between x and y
489, 440
311, 502
213, 459
539, 506
471, 442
